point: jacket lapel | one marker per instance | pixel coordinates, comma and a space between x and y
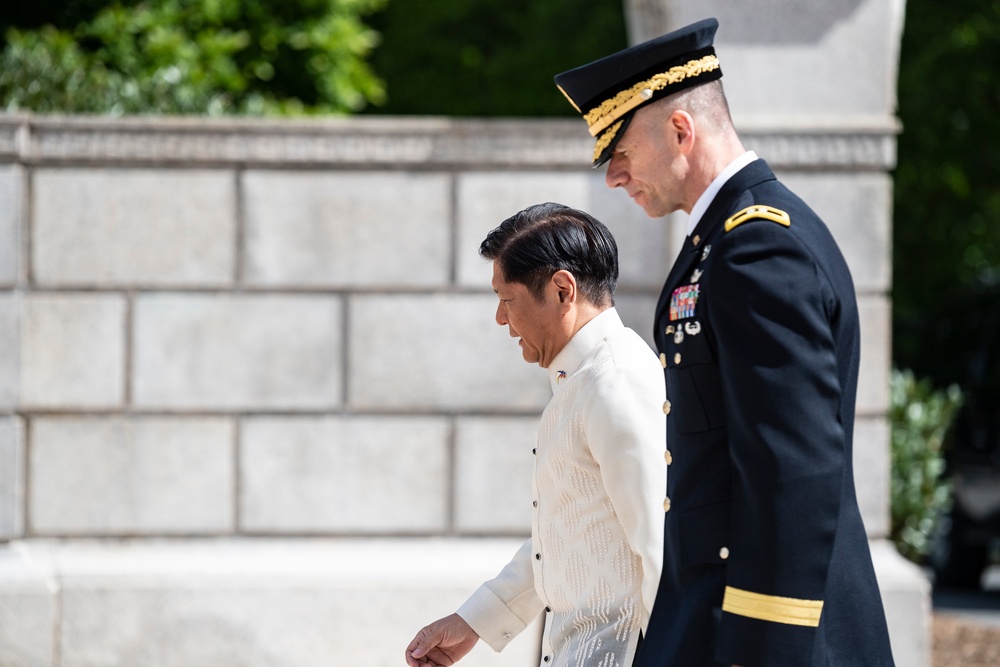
726, 203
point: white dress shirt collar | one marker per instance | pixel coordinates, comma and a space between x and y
582, 342
708, 195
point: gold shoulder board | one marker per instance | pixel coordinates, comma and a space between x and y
758, 211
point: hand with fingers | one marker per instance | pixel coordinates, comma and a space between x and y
442, 643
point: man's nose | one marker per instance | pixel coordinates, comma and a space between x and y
501, 316
615, 176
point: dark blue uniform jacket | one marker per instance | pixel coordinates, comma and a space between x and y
766, 560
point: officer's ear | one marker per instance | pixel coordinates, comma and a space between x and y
565, 285
681, 126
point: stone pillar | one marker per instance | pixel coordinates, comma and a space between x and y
812, 88
12, 188
646, 19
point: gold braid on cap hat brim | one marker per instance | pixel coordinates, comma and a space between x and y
610, 110
604, 140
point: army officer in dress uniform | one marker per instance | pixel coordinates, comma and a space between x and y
766, 560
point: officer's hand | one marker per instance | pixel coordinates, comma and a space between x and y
442, 643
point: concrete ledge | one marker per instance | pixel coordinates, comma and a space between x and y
28, 616
843, 140
294, 603
906, 594
239, 603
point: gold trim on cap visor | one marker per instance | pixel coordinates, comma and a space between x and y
608, 111
568, 98
605, 139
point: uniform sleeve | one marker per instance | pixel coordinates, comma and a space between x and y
626, 433
501, 608
771, 309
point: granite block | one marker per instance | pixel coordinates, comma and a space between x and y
126, 227
131, 475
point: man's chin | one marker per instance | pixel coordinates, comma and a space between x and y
642, 201
652, 208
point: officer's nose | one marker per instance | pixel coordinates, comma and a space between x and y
616, 175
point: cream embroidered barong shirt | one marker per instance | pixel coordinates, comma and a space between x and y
594, 558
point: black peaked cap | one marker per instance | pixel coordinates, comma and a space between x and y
605, 91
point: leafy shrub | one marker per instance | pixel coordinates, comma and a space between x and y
920, 418
198, 56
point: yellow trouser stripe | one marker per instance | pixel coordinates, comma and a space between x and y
791, 611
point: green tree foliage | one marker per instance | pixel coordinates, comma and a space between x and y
946, 294
920, 418
59, 13
196, 56
489, 57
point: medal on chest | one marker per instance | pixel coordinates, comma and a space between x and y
683, 302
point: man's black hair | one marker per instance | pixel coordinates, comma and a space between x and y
531, 245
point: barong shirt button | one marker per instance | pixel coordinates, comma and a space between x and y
668, 457
666, 505
538, 556
723, 553
663, 359
677, 358
534, 503
666, 407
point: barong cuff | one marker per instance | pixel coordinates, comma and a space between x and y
496, 622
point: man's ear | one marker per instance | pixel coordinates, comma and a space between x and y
565, 285
682, 130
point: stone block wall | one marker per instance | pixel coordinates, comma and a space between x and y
253, 392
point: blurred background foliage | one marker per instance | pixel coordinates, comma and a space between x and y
489, 57
946, 232
291, 57
496, 58
946, 284
189, 56
920, 417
